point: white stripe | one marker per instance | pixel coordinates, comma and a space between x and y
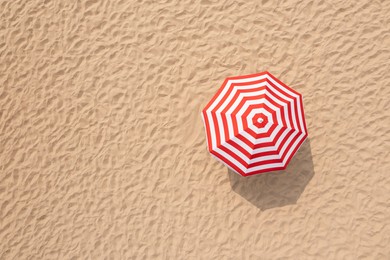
293, 147
231, 159
285, 108
227, 86
273, 165
261, 130
263, 167
288, 142
250, 123
297, 98
227, 165
245, 107
237, 102
239, 114
292, 104
218, 112
241, 96
276, 148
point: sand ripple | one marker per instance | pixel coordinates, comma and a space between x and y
102, 148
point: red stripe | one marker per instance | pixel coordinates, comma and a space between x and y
281, 99
244, 118
261, 135
242, 102
295, 102
273, 142
231, 164
278, 106
230, 89
289, 145
216, 127
236, 132
246, 141
258, 155
281, 83
215, 96
274, 160
266, 170
282, 167
240, 148
227, 94
295, 150
234, 155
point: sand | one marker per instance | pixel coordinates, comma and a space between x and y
102, 146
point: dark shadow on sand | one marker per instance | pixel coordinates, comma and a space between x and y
279, 188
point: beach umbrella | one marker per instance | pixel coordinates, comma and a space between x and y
254, 123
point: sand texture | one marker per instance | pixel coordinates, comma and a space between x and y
102, 146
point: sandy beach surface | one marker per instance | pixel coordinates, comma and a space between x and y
102, 146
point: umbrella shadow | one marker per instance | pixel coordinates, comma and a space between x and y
278, 188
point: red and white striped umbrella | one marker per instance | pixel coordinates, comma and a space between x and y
255, 123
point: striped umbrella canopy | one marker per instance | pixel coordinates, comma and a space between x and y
255, 123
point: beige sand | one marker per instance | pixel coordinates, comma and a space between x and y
102, 147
